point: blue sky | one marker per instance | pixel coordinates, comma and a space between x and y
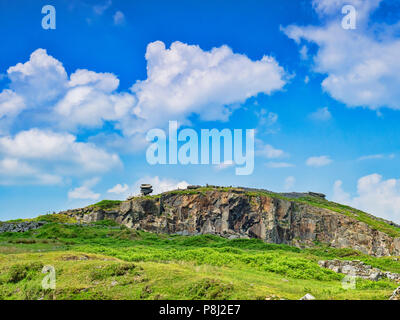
77, 101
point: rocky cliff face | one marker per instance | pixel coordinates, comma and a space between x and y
236, 214
21, 226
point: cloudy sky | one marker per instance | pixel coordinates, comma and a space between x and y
76, 102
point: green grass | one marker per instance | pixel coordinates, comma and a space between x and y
107, 204
103, 261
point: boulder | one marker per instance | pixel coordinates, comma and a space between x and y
307, 297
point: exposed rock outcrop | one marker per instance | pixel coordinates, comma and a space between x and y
21, 226
307, 297
395, 295
358, 269
234, 214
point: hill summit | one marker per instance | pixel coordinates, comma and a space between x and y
297, 219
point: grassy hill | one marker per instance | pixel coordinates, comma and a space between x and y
107, 261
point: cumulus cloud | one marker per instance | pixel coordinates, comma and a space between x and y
85, 192
43, 151
334, 7
182, 81
318, 161
39, 81
160, 185
11, 104
14, 171
42, 87
269, 152
361, 66
322, 114
374, 195
185, 79
119, 189
268, 121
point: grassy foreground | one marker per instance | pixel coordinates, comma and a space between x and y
105, 261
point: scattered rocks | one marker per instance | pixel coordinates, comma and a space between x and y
190, 187
75, 258
316, 194
307, 297
146, 189
395, 295
358, 269
21, 226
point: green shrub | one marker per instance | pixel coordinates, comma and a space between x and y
19, 272
111, 271
57, 217
106, 223
107, 204
209, 289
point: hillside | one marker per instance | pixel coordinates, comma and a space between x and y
299, 219
204, 243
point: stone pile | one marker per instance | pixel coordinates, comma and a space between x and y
358, 269
146, 189
21, 226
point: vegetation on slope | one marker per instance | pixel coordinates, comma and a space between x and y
374, 222
107, 204
105, 261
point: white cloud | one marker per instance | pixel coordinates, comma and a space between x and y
51, 153
119, 189
273, 164
119, 18
374, 195
289, 182
376, 156
14, 171
267, 118
304, 53
270, 152
106, 82
42, 87
322, 114
100, 8
361, 66
38, 81
318, 161
85, 192
185, 79
10, 103
334, 7
160, 184
182, 80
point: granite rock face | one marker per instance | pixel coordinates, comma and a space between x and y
395, 295
21, 226
358, 269
234, 214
